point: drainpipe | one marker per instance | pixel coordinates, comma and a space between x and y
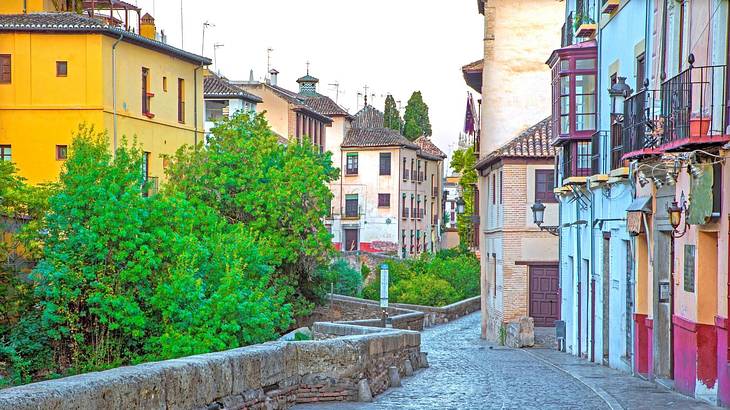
579, 265
195, 105
663, 74
25, 6
114, 89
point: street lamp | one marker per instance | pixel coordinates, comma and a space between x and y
460, 205
618, 92
675, 211
538, 216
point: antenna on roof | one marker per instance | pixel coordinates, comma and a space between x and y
182, 27
307, 67
336, 84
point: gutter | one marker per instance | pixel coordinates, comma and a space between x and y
195, 105
114, 90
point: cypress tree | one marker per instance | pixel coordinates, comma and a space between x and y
391, 114
416, 119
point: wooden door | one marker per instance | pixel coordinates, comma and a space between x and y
544, 302
351, 240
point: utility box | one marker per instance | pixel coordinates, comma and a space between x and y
560, 334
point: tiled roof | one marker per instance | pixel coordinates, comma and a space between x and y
368, 131
429, 147
375, 137
532, 143
77, 23
369, 117
476, 66
308, 79
298, 100
217, 87
324, 105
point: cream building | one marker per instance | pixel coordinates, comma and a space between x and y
516, 35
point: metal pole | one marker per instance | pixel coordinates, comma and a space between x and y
182, 27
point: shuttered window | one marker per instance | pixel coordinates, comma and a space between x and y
385, 163
351, 164
384, 200
5, 76
544, 181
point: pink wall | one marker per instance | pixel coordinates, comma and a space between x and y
650, 346
641, 344
685, 355
723, 377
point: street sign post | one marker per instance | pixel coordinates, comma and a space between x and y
384, 292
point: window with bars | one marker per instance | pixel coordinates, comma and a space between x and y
146, 94
385, 163
352, 164
544, 184
5, 153
384, 200
414, 174
61, 152
181, 100
5, 69
351, 206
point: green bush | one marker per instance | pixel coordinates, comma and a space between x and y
346, 280
432, 279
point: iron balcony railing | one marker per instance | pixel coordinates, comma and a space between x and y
694, 106
617, 143
567, 31
576, 164
642, 124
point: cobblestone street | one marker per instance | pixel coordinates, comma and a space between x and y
469, 373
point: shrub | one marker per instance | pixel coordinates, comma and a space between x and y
347, 281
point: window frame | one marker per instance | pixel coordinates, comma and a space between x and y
9, 66
59, 72
384, 200
547, 195
349, 198
351, 168
385, 163
181, 100
6, 153
61, 148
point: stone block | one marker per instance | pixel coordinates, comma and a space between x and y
408, 368
246, 369
394, 376
363, 391
521, 333
423, 360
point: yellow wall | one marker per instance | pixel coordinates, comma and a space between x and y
39, 110
276, 108
31, 6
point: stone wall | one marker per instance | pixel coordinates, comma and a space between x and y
336, 367
363, 312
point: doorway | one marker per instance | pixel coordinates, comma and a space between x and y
544, 302
352, 242
663, 343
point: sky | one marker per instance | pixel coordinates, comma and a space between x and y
390, 46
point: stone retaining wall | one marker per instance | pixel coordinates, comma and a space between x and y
272, 375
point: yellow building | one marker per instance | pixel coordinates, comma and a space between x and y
57, 70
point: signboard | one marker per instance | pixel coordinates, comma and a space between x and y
384, 286
634, 223
664, 294
689, 268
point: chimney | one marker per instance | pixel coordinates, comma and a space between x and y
274, 75
250, 76
147, 27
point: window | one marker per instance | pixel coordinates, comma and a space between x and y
413, 170
146, 165
384, 200
585, 102
494, 189
215, 109
413, 209
5, 76
180, 100
564, 105
404, 208
385, 163
146, 95
164, 84
5, 154
544, 184
583, 158
351, 206
61, 152
61, 68
640, 71
501, 185
351, 164
405, 170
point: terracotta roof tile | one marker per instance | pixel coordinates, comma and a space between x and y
77, 23
533, 142
324, 105
429, 147
368, 131
217, 87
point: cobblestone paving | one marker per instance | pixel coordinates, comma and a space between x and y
469, 373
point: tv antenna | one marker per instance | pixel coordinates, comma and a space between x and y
336, 84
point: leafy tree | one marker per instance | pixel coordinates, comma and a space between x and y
416, 119
463, 162
345, 280
279, 193
391, 115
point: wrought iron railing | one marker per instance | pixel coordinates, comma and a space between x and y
642, 123
617, 142
694, 104
576, 163
567, 31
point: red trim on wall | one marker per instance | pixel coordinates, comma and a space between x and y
684, 323
650, 345
707, 355
641, 344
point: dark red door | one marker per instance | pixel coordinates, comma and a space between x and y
544, 302
351, 242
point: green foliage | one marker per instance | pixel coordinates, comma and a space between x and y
463, 162
434, 279
416, 121
279, 193
347, 281
301, 337
365, 271
391, 115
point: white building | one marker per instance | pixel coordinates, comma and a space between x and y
223, 100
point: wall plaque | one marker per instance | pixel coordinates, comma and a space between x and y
689, 268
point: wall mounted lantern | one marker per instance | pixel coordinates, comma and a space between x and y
675, 211
460, 204
538, 215
618, 93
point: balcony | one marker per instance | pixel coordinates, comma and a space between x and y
404, 214
566, 32
609, 6
695, 108
577, 162
642, 127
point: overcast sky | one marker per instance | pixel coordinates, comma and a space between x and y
392, 46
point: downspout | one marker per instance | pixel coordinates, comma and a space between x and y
25, 6
195, 105
114, 89
578, 268
663, 74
